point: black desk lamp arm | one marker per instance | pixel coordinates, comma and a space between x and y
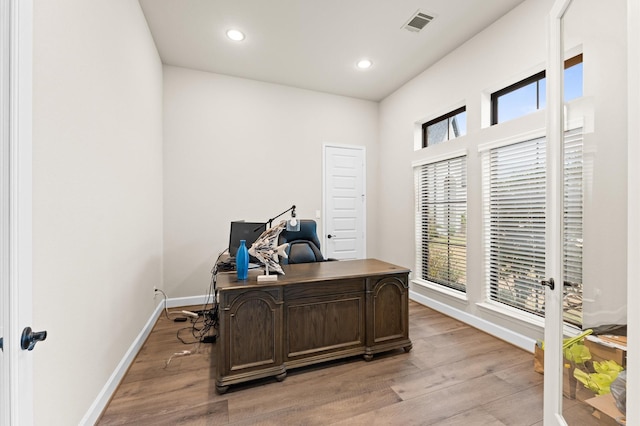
291, 209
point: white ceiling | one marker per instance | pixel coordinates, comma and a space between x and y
314, 44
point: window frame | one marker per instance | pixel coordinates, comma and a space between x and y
458, 161
573, 217
447, 116
533, 146
536, 78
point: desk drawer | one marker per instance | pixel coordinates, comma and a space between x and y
323, 288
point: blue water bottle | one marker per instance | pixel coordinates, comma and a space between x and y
242, 261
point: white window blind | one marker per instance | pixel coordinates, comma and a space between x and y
573, 234
441, 198
514, 205
515, 230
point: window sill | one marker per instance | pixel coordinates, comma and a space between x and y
458, 295
529, 319
512, 313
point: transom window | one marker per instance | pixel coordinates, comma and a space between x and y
445, 127
530, 94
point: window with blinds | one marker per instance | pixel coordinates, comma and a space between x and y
573, 205
441, 192
514, 204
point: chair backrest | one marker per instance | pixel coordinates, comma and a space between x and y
304, 245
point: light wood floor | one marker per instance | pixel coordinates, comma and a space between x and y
454, 375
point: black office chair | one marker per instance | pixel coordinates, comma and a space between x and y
304, 245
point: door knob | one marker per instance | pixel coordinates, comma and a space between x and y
30, 338
329, 236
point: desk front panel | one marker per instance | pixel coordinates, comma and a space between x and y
324, 320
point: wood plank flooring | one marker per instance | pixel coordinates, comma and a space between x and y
454, 375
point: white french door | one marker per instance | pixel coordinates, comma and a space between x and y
554, 211
15, 215
344, 202
553, 364
5, 366
633, 262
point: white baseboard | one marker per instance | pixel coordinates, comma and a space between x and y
103, 398
187, 301
500, 332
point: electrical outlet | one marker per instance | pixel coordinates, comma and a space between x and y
155, 291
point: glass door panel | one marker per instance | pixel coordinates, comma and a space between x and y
585, 202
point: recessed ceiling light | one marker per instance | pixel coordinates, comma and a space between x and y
363, 64
235, 35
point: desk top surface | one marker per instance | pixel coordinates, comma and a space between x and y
313, 272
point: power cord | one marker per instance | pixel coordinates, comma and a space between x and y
208, 317
183, 353
166, 310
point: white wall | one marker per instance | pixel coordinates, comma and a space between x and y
511, 49
237, 149
97, 195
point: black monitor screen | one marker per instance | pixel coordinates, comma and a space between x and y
249, 231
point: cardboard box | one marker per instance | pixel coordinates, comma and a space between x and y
571, 387
538, 359
569, 383
602, 350
606, 410
579, 391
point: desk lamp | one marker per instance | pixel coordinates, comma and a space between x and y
292, 224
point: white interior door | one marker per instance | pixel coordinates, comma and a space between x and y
554, 219
633, 262
344, 202
4, 212
16, 387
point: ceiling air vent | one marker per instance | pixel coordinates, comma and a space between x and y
418, 21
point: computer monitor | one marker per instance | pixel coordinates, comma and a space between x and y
249, 231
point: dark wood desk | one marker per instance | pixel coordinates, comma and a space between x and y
316, 312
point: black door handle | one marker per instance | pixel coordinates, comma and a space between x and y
1, 344
30, 338
549, 283
329, 236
